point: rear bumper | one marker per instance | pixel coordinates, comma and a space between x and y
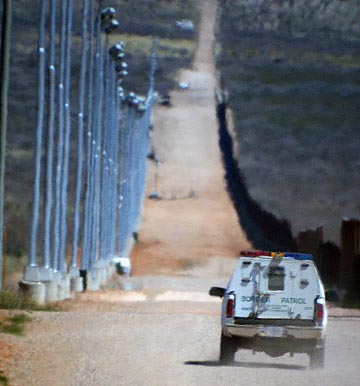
291, 332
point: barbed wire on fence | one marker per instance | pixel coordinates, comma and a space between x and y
112, 137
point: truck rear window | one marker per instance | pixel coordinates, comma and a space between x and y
276, 277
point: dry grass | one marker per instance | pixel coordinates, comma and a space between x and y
15, 300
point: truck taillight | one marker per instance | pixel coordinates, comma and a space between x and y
319, 313
230, 305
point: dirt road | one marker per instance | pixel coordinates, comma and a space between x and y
195, 218
164, 329
166, 333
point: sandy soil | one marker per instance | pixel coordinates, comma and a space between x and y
195, 218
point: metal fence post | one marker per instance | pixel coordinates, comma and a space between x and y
46, 269
32, 270
4, 68
74, 269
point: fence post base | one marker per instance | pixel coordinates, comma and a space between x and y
60, 294
36, 290
51, 291
31, 274
46, 274
100, 271
65, 283
76, 284
74, 272
93, 281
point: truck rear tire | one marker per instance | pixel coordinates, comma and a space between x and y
227, 349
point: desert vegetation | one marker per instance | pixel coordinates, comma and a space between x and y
292, 74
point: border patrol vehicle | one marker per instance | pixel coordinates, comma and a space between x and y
274, 303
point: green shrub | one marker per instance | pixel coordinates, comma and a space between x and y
3, 380
14, 325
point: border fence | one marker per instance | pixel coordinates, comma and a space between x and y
110, 135
339, 267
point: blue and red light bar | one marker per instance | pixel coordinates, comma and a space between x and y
255, 253
293, 255
299, 256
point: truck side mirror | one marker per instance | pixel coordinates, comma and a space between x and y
217, 291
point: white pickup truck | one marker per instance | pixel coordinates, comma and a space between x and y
274, 303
